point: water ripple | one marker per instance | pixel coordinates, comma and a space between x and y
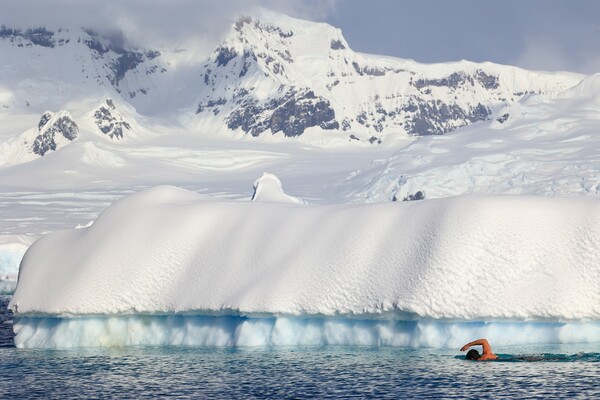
291, 372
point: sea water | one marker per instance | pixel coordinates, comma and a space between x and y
548, 371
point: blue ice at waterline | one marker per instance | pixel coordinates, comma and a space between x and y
202, 330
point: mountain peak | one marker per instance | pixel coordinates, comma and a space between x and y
276, 73
271, 74
277, 40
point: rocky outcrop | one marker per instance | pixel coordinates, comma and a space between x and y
36, 36
109, 120
437, 117
51, 130
259, 80
290, 114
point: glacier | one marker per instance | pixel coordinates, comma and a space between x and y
169, 266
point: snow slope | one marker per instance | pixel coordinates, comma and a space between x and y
537, 146
167, 250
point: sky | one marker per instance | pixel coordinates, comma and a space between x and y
536, 34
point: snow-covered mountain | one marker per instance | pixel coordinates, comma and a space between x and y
58, 87
278, 74
82, 109
271, 74
538, 146
50, 69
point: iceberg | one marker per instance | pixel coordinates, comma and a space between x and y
198, 270
228, 330
12, 249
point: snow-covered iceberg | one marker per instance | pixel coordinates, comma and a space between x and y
12, 248
173, 261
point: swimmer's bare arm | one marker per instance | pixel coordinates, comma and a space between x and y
488, 354
480, 342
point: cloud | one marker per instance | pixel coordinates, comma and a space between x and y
152, 23
573, 48
562, 38
540, 54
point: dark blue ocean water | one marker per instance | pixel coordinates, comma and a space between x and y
300, 372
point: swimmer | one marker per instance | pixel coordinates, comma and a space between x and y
474, 354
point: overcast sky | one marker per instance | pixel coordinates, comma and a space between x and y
536, 34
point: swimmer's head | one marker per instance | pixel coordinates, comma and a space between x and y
473, 355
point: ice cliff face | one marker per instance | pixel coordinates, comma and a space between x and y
278, 74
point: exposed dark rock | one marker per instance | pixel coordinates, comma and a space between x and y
7, 33
245, 117
502, 119
152, 54
273, 29
436, 117
43, 144
44, 120
479, 113
346, 125
420, 195
46, 140
291, 114
109, 123
453, 81
211, 104
239, 24
337, 45
285, 55
458, 79
487, 81
94, 43
368, 70
225, 55
38, 36
277, 68
126, 62
244, 69
67, 127
362, 118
